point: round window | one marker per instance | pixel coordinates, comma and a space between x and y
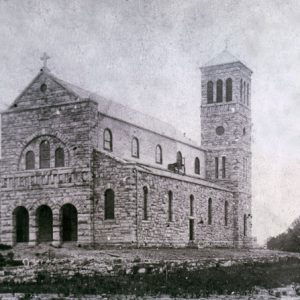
220, 130
44, 87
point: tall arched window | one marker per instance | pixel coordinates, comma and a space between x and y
170, 206
248, 94
223, 167
158, 154
228, 89
179, 159
107, 140
191, 205
245, 225
44, 155
244, 94
209, 219
216, 167
219, 90
241, 90
210, 92
29, 160
197, 166
226, 213
59, 157
145, 203
135, 148
109, 205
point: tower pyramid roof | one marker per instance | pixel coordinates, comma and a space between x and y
225, 57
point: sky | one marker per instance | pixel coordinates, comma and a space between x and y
147, 53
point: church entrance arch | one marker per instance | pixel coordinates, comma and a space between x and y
21, 224
44, 223
69, 223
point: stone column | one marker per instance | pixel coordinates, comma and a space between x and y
8, 234
56, 229
84, 229
32, 229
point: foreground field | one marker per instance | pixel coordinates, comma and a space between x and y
189, 273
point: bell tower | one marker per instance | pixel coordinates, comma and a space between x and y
226, 134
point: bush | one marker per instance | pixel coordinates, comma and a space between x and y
287, 241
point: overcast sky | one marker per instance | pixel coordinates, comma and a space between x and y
147, 54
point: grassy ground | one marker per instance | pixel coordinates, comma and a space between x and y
239, 278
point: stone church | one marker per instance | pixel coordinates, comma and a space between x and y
79, 168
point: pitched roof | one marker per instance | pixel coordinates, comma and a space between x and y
81, 93
116, 110
225, 57
164, 172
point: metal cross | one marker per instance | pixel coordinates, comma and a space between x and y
226, 43
44, 58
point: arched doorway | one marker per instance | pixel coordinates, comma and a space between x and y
21, 224
44, 223
69, 223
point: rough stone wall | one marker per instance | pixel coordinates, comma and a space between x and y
244, 209
158, 230
112, 174
67, 268
124, 132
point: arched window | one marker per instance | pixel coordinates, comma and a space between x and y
209, 219
228, 89
109, 205
216, 167
223, 167
158, 154
244, 94
179, 159
107, 140
197, 166
210, 92
226, 213
29, 160
135, 151
245, 225
170, 206
191, 205
241, 90
248, 94
219, 90
59, 157
44, 155
145, 203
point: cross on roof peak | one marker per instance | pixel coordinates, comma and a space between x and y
44, 58
226, 43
